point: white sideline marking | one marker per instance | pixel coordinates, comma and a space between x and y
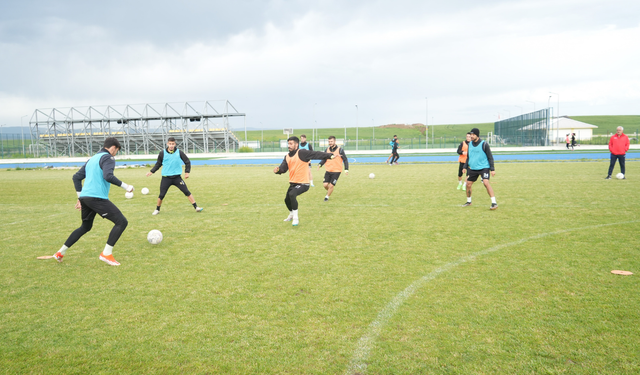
24, 221
366, 342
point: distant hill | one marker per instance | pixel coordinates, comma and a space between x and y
608, 124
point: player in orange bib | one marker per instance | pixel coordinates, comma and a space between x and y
333, 166
463, 151
297, 163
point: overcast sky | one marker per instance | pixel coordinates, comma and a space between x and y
281, 61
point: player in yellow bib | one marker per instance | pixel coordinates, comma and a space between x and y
333, 166
296, 162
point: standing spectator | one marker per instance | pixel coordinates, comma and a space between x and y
568, 140
618, 146
573, 141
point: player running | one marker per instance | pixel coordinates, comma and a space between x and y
93, 198
394, 151
479, 163
463, 150
304, 145
171, 160
333, 166
296, 162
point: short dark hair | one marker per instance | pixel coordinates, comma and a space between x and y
302, 135
468, 133
331, 137
294, 138
111, 142
171, 139
395, 135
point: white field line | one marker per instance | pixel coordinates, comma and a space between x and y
28, 220
358, 363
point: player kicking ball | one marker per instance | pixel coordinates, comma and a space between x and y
297, 163
93, 198
171, 160
479, 163
333, 167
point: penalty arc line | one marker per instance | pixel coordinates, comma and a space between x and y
358, 364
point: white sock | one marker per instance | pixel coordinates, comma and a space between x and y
107, 250
327, 196
493, 200
469, 199
63, 250
311, 182
459, 182
295, 213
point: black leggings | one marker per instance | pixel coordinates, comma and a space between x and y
291, 200
395, 157
177, 181
106, 210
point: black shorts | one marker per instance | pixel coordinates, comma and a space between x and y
168, 181
460, 168
484, 174
103, 207
331, 177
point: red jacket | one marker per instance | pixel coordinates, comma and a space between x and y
619, 144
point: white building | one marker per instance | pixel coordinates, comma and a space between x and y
560, 127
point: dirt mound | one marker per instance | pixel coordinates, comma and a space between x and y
419, 127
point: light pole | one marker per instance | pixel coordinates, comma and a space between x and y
1, 140
245, 130
262, 137
426, 122
356, 127
534, 104
557, 117
22, 131
315, 124
373, 130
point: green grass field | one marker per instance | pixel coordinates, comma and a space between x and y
391, 276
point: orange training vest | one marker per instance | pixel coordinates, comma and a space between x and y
298, 170
335, 164
463, 158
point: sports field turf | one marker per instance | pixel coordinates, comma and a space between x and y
391, 276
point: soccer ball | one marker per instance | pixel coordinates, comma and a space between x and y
620, 176
144, 191
154, 237
371, 175
128, 195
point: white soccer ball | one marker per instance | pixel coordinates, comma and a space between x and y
144, 191
154, 237
128, 195
620, 176
371, 175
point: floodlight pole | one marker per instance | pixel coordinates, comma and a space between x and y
2, 141
557, 118
315, 124
534, 104
520, 109
373, 130
356, 127
245, 130
22, 131
426, 122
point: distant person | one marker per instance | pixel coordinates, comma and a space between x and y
304, 145
170, 160
296, 162
568, 140
463, 150
333, 166
573, 141
391, 144
93, 198
618, 146
480, 164
394, 151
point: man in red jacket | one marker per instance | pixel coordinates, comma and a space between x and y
618, 145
